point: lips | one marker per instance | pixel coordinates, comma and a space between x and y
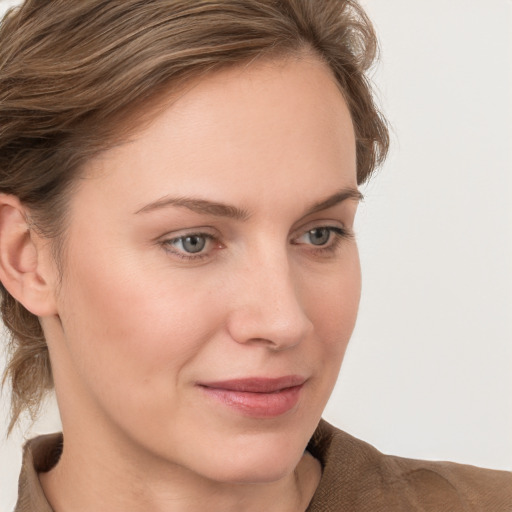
257, 397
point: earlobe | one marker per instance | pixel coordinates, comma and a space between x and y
22, 269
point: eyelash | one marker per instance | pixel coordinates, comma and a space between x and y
168, 246
336, 236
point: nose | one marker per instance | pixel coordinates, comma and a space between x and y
267, 309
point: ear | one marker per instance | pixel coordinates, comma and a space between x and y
25, 269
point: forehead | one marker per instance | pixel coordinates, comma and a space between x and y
283, 122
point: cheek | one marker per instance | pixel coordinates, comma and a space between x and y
132, 321
332, 304
333, 301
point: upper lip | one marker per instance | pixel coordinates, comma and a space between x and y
257, 384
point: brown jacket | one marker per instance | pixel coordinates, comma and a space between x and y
356, 478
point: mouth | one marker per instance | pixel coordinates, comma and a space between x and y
257, 397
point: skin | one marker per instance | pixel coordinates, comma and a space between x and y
136, 323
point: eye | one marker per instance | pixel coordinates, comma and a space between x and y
322, 236
190, 245
323, 241
319, 236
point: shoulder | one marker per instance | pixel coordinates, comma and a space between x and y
358, 477
39, 454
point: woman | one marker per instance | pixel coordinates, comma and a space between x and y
179, 186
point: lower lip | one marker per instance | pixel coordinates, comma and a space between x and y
257, 405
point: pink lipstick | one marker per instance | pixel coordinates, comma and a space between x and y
257, 397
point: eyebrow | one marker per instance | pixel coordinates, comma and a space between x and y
199, 206
224, 210
342, 195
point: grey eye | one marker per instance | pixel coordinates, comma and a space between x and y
192, 243
319, 236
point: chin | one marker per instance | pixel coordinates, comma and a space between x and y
255, 458
251, 471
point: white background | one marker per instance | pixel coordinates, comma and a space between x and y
428, 373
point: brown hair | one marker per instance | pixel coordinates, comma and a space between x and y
71, 70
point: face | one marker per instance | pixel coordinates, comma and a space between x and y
211, 279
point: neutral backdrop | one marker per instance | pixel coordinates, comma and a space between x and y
428, 373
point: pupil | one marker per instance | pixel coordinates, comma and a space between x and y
319, 236
194, 243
